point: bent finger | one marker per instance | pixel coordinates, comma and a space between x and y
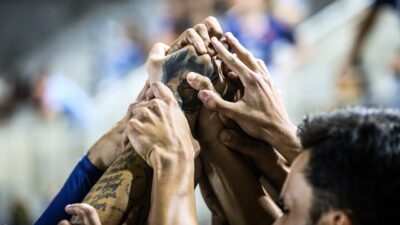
199, 82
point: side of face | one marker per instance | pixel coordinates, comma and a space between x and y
297, 197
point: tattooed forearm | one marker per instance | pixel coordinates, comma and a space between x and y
124, 189
126, 184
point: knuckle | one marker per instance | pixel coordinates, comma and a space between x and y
191, 33
200, 27
155, 103
211, 19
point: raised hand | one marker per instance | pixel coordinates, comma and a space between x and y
159, 131
260, 111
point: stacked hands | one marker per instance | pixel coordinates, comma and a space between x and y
255, 123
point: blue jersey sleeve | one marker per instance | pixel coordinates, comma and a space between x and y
78, 184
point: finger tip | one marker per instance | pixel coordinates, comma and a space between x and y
190, 76
203, 95
214, 40
225, 136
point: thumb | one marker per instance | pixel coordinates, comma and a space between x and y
215, 103
241, 143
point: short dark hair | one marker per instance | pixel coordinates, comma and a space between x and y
354, 164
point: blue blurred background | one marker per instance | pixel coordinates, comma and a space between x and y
69, 69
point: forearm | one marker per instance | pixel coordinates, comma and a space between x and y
173, 200
361, 35
285, 142
237, 188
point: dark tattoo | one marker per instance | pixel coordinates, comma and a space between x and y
126, 184
175, 68
123, 192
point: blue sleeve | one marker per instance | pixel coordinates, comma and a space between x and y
78, 184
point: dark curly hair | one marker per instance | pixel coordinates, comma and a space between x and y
354, 164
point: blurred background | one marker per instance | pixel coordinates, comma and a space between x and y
69, 69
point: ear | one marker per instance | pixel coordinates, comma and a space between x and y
336, 217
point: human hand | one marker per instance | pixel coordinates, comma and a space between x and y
107, 149
159, 131
199, 36
84, 213
260, 111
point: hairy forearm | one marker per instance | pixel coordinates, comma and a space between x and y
173, 200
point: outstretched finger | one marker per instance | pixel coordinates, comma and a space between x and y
232, 61
201, 29
242, 53
155, 61
213, 27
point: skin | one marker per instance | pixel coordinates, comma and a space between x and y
227, 172
296, 195
159, 126
239, 202
296, 199
134, 177
260, 103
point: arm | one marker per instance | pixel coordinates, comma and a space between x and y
234, 182
161, 135
88, 171
362, 32
173, 194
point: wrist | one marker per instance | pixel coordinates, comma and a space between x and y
285, 140
95, 158
172, 158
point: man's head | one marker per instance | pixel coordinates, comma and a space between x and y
349, 172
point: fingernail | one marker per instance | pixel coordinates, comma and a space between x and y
226, 136
203, 96
229, 34
190, 76
214, 39
68, 206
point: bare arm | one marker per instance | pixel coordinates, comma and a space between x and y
173, 200
161, 135
259, 110
363, 29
